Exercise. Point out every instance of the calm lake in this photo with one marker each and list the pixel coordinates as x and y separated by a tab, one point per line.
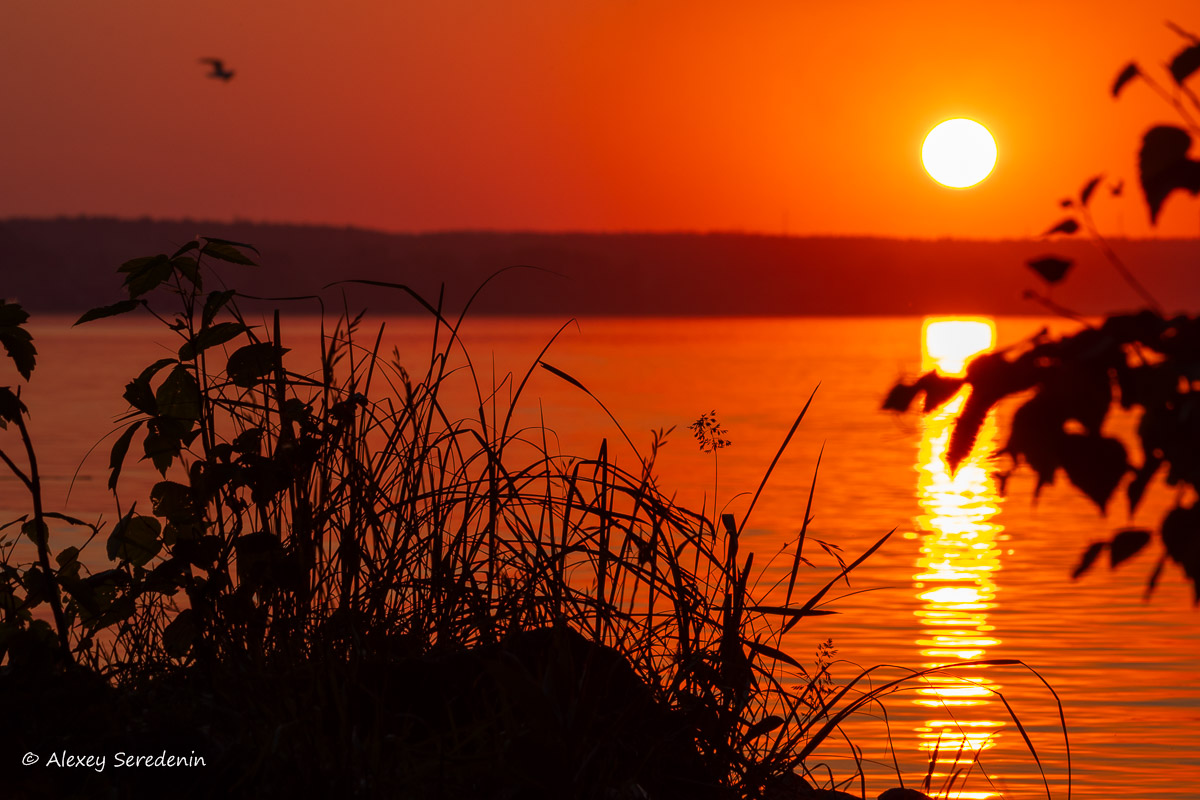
967	574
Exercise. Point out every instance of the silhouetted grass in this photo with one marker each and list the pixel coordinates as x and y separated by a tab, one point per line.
347	584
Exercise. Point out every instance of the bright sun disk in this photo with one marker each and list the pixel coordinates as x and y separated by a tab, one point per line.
959	153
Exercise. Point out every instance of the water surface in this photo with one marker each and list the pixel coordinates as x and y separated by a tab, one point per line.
967	575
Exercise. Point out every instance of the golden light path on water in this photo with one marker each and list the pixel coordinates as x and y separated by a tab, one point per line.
955	581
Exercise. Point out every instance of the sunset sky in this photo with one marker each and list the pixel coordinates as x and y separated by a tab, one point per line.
774	117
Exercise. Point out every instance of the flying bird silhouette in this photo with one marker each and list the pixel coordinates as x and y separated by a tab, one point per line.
218	68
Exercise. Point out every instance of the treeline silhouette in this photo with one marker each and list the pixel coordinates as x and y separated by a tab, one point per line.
64	265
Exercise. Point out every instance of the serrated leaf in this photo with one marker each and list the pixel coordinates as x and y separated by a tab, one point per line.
179	395
12	315
116	458
1052	268
17	341
101	312
1126	544
1186	62
135	539
1067	226
1089	558
188	268
210	337
11	407
145	274
161	450
226	251
1130	72
248	364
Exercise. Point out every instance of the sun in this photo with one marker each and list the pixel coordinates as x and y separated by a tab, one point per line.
959	153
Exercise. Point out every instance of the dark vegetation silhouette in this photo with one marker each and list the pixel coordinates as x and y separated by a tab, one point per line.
1146	361
342	585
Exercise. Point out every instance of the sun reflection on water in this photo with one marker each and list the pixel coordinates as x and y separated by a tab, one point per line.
955	581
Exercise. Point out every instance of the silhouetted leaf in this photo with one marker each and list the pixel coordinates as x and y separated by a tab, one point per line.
1067	226
173	501
232	243
1126	544
790	612
210	337
1034	435
1095	464
899	398
764	725
248	364
1164	166
1126	75
36	531
1181	536
11	407
1152	581
145	274
771	652
188	268
17	341
1137	487
135	539
992	377
68	565
138	392
116	458
1089	187
227	251
187	248
181	634
179	395
1051	268
108	311
214	303
1185	63
161	448
1090	555
562	375
12	315
938	389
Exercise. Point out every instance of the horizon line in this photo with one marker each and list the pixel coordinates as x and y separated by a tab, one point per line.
482	231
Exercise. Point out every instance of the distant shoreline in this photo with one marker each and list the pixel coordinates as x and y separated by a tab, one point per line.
69	265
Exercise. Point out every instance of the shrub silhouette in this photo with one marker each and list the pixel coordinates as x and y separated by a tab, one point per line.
1145	360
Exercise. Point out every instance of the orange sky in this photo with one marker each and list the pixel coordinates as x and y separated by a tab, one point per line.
581	115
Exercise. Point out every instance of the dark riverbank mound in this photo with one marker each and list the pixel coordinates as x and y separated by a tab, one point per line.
548	715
